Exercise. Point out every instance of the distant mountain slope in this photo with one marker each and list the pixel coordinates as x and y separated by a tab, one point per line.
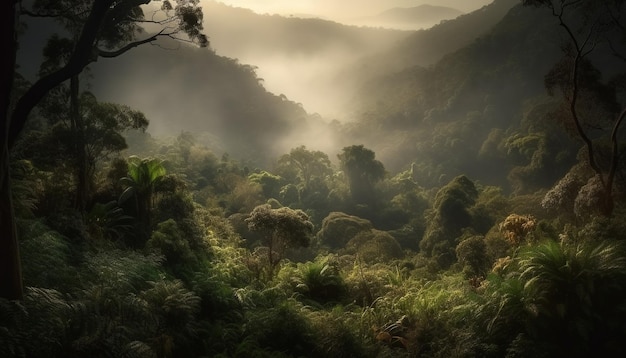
423	48
452	116
295	56
243	34
191	89
421	13
426	47
422	16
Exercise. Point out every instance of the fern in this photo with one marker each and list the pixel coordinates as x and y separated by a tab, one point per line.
45	256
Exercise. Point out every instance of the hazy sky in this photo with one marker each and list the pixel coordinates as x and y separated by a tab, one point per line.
346	9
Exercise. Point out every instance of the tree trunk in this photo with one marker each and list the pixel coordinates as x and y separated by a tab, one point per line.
10	268
78	130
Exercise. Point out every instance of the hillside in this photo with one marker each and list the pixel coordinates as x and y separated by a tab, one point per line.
445	116
196	90
243	34
422	16
231	100
298	57
424	47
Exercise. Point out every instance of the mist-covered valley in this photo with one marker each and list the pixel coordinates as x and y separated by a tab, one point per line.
323	66
281	178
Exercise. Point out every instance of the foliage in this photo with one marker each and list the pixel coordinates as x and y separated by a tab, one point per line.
362	171
142	177
516	228
374	246
280	228
472	255
339	228
207	271
577	295
450	214
43	248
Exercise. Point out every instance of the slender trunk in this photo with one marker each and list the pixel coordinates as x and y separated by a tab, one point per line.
10	268
78	130
608	204
270	249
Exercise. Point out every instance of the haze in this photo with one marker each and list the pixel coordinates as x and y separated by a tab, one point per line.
345	10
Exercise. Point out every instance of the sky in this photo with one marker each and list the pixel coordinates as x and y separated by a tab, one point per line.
345	9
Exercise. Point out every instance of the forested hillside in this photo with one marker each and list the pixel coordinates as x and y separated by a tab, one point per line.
461	114
159	201
198	91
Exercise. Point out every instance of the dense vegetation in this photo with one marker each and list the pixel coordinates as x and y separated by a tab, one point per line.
490	237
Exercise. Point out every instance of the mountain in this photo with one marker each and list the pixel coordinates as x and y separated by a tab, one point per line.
426	47
482	110
295	56
230	99
243	34
422	16
196	90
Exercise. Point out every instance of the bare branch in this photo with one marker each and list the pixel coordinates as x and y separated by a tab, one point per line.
615	151
118	52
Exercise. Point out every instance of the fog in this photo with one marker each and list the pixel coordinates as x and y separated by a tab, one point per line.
312	68
345	10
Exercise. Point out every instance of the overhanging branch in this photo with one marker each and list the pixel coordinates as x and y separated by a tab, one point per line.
118	52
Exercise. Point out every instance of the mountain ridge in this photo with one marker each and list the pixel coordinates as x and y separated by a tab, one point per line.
425	15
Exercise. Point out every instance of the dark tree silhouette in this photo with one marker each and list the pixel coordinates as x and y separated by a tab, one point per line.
362	171
10	267
104	29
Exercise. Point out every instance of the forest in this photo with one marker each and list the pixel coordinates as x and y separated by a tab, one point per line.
465	198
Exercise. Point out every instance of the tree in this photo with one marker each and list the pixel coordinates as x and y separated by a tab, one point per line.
307	165
280	228
591	27
362	171
104	29
450	215
101	135
10	267
143	175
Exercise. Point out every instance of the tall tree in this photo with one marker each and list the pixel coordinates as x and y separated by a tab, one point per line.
306	163
591	28
280	228
105	29
143	176
10	267
362	171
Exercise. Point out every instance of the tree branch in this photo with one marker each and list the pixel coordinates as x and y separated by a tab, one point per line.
118	52
615	152
80	58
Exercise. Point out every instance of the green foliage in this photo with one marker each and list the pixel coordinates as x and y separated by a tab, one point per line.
108	221
339	228
577	295
450	214
472	255
43	248
374	246
321	280
171	242
362	171
280	228
270	183
143	175
282	330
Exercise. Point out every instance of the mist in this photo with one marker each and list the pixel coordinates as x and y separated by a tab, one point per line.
345	10
269	81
